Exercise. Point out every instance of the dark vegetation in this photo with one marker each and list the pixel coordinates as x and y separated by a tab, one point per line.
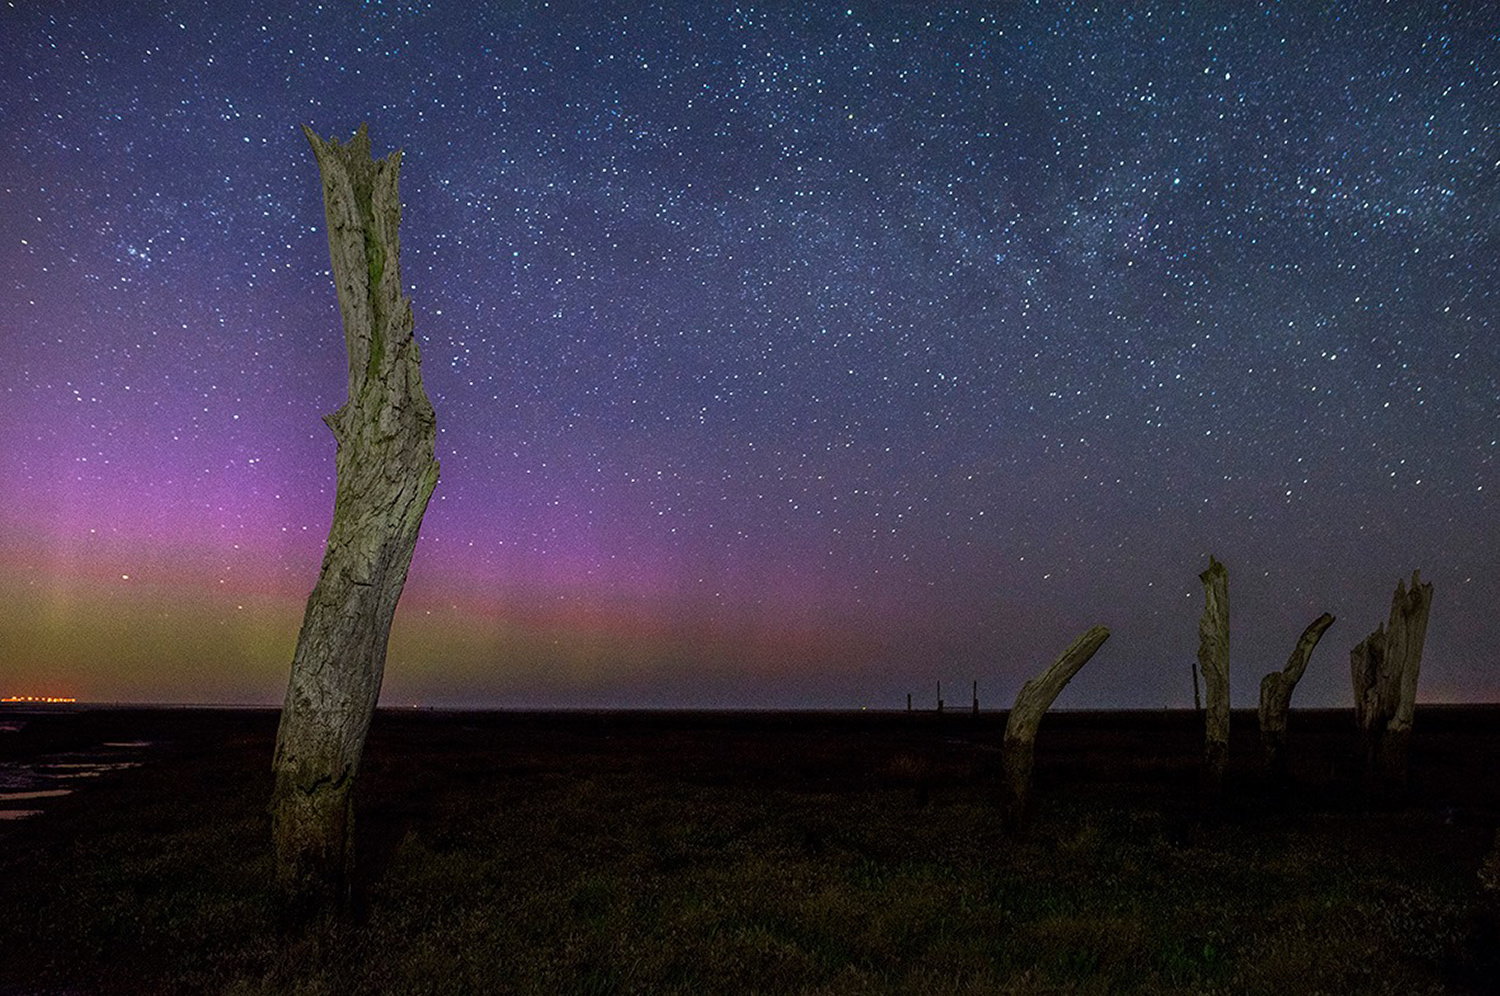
770	853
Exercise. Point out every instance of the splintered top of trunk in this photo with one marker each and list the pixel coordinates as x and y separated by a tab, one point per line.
363	212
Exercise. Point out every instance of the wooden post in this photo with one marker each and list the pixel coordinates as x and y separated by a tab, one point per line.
940	698
1033	701
908	702
1276	697
1213	659
386	433
1489	891
976	698
1384	667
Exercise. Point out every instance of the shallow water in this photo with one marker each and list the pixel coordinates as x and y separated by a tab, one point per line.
48	776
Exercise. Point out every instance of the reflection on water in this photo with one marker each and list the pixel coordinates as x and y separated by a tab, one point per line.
45	794
39	777
85	770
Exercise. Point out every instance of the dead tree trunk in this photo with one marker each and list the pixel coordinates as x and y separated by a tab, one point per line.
1213	659
1489	893
1384	667
1489	873
1276	697
386	433
1035	697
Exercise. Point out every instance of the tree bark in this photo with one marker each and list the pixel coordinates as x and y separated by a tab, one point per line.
1033	701
1384	667
1489	873
1213	660
1489	893
386	434
1276	696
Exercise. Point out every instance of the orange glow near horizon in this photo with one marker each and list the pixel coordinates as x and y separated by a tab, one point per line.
37	698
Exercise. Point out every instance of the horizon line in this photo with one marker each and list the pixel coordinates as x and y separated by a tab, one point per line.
19	704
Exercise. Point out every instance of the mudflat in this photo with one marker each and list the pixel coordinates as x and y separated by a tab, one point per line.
646	852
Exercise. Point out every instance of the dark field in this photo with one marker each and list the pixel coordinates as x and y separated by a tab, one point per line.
771	853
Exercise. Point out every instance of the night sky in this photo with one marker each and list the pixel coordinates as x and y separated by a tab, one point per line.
795	355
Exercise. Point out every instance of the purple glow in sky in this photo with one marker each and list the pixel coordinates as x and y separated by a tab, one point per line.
783	356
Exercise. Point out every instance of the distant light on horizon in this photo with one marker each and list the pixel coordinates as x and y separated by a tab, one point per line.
48	699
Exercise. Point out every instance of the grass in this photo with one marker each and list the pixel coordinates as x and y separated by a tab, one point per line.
601	855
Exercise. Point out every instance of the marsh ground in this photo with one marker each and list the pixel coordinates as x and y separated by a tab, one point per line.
770	853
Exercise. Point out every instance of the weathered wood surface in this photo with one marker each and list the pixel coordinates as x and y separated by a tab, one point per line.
1213	660
386	434
1489	889
1276	696
1032	702
1489	872
1384	667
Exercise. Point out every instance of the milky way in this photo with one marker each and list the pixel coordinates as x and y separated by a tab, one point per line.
783	355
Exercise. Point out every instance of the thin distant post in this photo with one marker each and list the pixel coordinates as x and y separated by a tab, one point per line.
940	698
976	698
908	703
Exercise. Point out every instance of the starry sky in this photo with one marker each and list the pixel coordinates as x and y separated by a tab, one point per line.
795	355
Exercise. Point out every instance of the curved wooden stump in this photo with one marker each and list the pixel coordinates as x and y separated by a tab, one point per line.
1276	697
1384	667
1213	660
1032	703
386	432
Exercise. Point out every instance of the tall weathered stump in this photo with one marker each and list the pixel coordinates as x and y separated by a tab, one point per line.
1213	661
1276	697
1384	667
386	434
1035	698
